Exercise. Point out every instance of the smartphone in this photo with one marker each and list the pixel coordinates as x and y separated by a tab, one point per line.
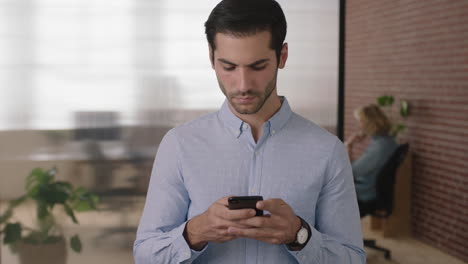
243	202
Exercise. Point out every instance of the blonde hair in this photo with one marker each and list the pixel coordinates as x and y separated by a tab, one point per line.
375	122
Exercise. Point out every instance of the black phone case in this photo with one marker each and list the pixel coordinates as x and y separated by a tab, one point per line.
243	202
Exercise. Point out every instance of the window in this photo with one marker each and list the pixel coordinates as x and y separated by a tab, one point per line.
59	58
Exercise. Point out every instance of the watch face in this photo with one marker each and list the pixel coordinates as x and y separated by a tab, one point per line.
302	236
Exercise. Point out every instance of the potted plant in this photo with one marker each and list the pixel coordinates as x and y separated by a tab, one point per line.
386	102
46	238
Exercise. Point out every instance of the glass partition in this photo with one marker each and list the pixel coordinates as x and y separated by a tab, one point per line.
91	87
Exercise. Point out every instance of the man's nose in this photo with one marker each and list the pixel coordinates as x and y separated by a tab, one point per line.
245	80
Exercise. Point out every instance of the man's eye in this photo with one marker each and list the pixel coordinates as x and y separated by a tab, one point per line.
229	68
259	68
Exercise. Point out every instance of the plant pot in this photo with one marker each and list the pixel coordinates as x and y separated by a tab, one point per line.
53	253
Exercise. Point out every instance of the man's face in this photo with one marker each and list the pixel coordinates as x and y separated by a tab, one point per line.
246	69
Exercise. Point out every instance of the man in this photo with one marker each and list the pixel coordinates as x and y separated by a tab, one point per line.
254	145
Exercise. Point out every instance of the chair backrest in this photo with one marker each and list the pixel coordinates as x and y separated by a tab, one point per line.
386	182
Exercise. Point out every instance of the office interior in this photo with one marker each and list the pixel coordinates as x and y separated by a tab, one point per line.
91	87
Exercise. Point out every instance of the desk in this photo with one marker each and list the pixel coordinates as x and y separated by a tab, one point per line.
111	165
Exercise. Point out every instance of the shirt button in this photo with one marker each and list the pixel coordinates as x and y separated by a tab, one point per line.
253	190
257	153
245	126
273	132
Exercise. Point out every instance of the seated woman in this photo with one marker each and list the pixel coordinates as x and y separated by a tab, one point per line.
373	123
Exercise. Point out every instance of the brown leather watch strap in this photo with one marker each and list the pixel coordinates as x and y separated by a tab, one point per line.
295	246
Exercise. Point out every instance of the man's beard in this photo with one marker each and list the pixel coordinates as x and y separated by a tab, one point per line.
262	98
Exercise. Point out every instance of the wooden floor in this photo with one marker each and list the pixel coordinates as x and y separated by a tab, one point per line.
108	237
404	250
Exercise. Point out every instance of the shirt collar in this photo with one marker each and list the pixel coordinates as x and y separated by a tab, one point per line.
235	124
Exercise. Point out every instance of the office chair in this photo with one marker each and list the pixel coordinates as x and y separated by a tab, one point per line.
382	205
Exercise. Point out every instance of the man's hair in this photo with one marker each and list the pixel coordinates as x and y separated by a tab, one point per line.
374	120
242	18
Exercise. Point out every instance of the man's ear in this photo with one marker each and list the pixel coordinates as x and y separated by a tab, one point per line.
211	54
283	56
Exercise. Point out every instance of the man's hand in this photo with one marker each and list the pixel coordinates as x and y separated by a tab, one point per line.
213	224
280	227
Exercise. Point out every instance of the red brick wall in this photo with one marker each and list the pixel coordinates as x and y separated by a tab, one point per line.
418	50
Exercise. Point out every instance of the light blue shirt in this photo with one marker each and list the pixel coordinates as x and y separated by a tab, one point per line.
368	166
216	156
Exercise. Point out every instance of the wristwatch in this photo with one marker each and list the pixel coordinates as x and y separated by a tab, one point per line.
302	237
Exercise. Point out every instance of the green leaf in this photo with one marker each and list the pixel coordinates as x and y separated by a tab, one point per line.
404	111
35	172
12	233
53	194
33	192
381	100
70	213
37	180
80	191
65	186
82	206
83	200
75	244
41	176
385	100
